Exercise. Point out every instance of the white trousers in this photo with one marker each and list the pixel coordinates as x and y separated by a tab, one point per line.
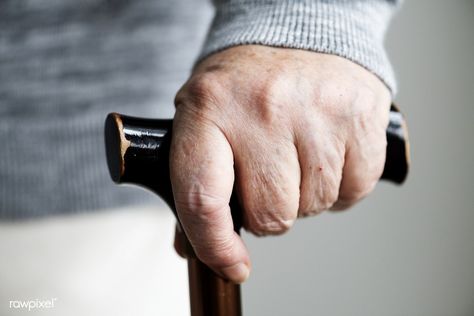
117	262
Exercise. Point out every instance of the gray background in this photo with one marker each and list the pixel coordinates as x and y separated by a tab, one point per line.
404	250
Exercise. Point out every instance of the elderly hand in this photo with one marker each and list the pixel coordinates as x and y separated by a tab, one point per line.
299	132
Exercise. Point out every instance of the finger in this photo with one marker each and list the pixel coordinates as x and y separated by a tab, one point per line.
321	160
268	177
201	168
365	159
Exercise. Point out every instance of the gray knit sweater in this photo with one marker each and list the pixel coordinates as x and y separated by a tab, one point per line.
64	64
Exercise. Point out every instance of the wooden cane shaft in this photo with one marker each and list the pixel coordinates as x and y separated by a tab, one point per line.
211	295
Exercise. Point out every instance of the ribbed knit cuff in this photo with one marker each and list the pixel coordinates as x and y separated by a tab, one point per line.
351	29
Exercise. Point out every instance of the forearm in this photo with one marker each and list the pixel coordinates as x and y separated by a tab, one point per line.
351	29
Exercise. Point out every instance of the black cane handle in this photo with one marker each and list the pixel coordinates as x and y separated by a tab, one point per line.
138	149
137	152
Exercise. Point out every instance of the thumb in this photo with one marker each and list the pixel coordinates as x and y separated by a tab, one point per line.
202	176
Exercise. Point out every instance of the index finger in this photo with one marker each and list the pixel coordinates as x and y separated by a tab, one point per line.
202	177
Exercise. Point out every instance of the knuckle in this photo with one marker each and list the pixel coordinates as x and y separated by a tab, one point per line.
358	190
266	92
276	227
315	209
324	199
269	102
199	205
328	199
270	202
196	209
202	89
271	220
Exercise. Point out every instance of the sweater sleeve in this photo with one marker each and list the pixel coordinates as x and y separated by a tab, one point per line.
353	29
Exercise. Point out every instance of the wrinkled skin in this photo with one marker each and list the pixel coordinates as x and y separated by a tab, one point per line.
300	132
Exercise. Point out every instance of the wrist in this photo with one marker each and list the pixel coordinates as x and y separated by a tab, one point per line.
353	30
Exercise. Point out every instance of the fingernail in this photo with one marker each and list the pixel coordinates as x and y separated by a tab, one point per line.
237	273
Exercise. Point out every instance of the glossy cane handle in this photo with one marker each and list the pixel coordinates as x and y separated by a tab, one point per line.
138	152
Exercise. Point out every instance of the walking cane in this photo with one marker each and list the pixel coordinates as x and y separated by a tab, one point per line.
137	153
